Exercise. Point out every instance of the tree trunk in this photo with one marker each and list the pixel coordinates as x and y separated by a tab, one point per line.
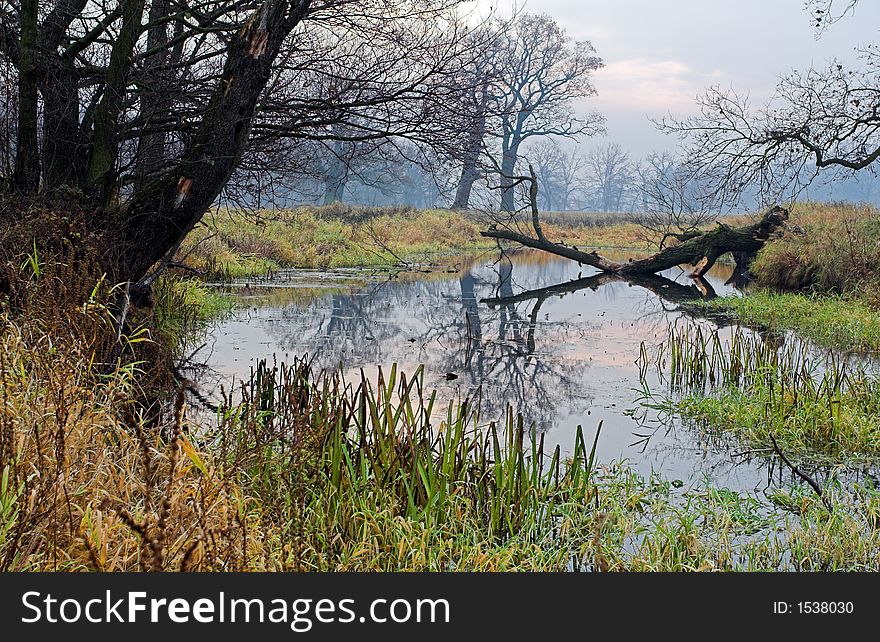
508	166
333	190
105	145
165	211
26	175
700	251
470	173
154	94
64	149
335	178
65	152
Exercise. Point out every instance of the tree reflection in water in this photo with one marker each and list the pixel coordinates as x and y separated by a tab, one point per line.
507	336
523	330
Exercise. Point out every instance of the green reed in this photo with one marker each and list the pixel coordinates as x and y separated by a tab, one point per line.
340	439
754	385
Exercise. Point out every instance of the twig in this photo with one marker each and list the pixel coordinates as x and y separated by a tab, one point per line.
123	301
797	471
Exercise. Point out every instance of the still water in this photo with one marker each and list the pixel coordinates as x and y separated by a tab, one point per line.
524	329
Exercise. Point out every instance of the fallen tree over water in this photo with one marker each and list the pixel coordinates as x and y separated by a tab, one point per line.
699	249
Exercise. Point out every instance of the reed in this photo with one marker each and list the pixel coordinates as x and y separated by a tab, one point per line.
846	323
306	470
303	470
819	405
340	440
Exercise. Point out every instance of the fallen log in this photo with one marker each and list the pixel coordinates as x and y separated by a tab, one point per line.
700	251
685	298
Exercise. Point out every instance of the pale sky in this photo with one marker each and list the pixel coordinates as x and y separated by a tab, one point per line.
659	54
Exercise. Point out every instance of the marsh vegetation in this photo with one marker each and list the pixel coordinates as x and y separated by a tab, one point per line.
210	362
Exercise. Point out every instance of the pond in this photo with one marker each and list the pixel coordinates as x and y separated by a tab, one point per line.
523	329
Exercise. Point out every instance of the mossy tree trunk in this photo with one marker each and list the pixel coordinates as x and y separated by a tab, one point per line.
26	176
166	210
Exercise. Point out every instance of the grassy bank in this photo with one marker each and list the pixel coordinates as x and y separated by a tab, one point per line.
302	470
819	278
844	323
234	244
306	472
826	248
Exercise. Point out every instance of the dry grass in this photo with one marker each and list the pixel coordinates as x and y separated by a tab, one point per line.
89	468
304	473
825	248
101	472
235	244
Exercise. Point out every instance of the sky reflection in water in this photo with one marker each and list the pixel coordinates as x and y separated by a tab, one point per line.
562	356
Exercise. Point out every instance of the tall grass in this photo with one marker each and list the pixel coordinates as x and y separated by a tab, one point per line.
817	406
835	321
182	306
365	438
826	248
301	471
233	244
304	471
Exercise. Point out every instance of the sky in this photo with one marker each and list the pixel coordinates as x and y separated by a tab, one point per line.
660	54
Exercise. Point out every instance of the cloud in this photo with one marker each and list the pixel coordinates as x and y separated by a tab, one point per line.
653	87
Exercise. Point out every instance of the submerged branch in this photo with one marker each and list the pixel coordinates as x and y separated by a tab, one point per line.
797	471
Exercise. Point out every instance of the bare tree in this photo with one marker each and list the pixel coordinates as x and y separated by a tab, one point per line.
672	204
822	121
542	72
609	176
148	109
477	102
560	174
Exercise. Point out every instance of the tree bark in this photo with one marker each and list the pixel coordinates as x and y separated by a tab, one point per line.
167	209
700	251
105	146
508	166
26	175
65	152
154	93
470	173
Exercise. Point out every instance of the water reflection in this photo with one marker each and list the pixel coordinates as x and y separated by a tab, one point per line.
524	329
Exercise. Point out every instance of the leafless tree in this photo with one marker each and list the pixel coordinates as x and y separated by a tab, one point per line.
477	101
822	122
671	204
609	177
149	107
541	73
560	174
